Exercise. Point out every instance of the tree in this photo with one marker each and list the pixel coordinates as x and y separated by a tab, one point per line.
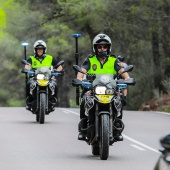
139	30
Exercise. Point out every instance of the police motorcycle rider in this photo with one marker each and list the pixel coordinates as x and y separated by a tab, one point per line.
39	59
99	63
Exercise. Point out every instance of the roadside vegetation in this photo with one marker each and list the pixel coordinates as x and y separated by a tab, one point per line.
140	31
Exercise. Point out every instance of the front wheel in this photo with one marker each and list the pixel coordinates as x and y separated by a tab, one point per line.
42	109
104	136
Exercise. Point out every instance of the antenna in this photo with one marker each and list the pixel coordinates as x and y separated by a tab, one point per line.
76	36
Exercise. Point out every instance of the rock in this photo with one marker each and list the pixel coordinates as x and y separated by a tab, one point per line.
146	107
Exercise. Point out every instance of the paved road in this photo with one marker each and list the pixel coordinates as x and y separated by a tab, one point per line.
27	145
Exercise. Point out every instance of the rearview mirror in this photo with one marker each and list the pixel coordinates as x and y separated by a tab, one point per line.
77	68
129	68
130	81
76	82
59	64
25	62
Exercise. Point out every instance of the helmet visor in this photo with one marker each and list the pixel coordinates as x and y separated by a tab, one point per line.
101	42
40	47
102	46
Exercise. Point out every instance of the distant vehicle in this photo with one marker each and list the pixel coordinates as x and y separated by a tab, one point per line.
163	162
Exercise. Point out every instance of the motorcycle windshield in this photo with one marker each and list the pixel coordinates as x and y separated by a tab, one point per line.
104	80
43	70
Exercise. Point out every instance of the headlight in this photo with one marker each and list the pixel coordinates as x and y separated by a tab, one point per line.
100	90
40	76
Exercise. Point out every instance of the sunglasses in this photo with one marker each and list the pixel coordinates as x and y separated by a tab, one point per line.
39	48
102	46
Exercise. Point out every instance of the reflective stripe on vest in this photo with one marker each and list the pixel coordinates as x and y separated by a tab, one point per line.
47	61
96	67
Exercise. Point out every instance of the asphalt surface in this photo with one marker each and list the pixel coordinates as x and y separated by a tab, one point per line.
27	145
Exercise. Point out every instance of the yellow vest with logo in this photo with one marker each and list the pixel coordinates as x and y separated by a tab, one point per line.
47	61
97	68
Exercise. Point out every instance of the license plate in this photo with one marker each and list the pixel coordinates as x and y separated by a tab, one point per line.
104	98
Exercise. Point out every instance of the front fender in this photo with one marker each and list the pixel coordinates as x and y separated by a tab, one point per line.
104	112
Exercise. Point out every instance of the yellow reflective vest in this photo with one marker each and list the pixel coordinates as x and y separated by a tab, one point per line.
97	68
47	61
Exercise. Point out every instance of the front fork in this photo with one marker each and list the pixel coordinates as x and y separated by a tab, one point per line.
111	124
97	123
38	97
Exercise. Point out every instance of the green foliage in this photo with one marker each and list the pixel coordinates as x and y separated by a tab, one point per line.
167	109
2	18
59	38
129	23
73	104
15	103
166	85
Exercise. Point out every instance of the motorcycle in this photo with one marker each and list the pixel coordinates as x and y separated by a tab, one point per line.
102	103
42	88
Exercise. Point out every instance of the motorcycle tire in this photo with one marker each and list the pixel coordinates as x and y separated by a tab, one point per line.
42	108
104	136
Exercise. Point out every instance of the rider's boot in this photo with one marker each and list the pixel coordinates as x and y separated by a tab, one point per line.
117	132
53	102
82	125
124	100
28	103
81	136
28	107
118	137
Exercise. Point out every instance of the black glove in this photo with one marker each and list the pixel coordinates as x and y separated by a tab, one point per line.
124	100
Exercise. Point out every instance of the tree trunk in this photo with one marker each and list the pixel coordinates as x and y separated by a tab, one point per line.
65	84
166	37
156	60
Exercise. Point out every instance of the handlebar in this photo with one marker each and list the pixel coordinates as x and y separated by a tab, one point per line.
32	72
129	81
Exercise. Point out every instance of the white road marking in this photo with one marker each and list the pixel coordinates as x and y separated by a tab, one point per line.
66	111
137	147
71	112
141	144
132	140
164	113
